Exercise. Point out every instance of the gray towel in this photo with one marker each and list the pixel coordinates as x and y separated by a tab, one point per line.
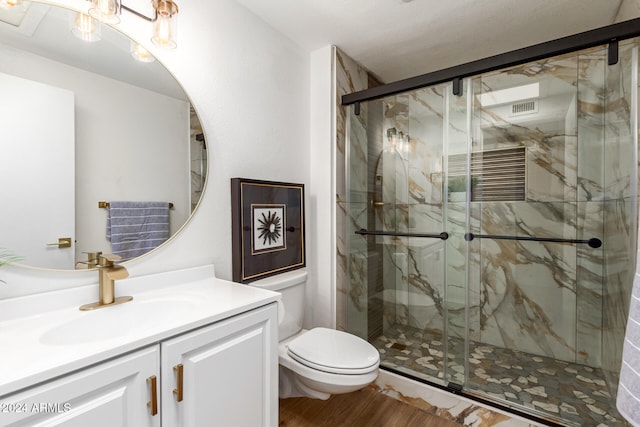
628	401
135	228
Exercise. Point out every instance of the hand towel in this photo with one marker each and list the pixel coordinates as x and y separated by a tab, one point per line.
135	228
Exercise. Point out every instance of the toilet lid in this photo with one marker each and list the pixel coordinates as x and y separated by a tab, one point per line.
334	351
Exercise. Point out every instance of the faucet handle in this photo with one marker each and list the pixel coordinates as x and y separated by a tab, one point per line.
107	260
91	262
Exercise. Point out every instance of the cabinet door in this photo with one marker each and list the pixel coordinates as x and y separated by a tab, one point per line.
229	373
111	394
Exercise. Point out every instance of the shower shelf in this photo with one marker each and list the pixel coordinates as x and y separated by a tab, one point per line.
593	242
364	232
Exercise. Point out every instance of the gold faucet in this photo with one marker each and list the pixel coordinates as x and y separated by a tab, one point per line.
109	272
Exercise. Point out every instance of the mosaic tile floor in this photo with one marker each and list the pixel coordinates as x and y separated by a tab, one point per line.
572	394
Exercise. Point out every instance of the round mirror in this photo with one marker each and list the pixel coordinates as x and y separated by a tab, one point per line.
101	148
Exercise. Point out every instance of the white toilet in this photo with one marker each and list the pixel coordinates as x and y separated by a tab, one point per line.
318	362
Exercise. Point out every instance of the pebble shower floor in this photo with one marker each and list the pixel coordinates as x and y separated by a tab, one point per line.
574	393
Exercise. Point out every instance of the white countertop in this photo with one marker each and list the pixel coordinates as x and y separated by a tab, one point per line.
46	335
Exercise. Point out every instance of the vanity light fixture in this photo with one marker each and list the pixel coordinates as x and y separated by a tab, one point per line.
164	27
85	27
164	20
106	10
139	53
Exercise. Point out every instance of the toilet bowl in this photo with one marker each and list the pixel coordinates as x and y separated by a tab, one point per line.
318	362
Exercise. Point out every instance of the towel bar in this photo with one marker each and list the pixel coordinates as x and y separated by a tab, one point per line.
106	205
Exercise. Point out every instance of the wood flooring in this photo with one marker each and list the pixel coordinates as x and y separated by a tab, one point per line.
365	407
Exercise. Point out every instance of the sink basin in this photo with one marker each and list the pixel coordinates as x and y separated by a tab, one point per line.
116	321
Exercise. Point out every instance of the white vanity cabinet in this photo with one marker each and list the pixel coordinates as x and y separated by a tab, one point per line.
113	393
224	374
220	374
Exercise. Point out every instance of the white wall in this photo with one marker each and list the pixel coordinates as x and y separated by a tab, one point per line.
321	288
250	87
131	144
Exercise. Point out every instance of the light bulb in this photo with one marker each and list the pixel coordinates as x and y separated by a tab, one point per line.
85	27
11	3
140	53
105	10
164	32
164	26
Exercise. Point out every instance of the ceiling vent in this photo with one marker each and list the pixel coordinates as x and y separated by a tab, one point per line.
521	108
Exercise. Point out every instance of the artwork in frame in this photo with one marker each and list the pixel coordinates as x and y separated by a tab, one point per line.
267	228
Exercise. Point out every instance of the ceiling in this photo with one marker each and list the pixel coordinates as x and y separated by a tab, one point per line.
397	39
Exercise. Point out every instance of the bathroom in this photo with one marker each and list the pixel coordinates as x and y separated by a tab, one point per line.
244	71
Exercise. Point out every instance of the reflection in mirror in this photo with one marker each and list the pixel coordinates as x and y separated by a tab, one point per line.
82	123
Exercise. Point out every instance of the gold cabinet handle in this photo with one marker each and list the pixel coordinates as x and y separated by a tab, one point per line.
179	370
153	392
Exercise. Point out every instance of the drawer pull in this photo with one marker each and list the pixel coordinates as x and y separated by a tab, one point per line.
153	391
178	369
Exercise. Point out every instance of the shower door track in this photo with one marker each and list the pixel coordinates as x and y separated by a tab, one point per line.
609	34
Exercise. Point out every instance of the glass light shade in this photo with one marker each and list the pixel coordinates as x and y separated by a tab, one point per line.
85	27
139	53
106	10
165	31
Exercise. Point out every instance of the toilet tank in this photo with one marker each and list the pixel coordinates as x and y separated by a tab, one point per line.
291	310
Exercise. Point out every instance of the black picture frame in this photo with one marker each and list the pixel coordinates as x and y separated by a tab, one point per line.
268	235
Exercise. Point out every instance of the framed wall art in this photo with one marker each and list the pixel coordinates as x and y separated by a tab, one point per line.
267	228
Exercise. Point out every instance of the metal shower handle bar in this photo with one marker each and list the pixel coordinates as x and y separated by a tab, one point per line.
593	242
364	232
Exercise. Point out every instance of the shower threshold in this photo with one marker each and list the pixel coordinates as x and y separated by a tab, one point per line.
568	393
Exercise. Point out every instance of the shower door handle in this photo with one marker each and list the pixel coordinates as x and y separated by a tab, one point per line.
377	204
593	242
364	232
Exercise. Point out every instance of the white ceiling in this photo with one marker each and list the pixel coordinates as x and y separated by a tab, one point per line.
397	39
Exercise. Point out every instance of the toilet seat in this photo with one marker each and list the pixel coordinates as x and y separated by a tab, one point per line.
334	352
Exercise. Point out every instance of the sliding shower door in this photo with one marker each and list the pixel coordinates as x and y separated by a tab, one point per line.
492	230
550	168
527	209
397	252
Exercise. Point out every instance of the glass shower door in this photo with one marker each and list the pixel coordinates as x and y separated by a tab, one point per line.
532	174
397	252
523	171
545	170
